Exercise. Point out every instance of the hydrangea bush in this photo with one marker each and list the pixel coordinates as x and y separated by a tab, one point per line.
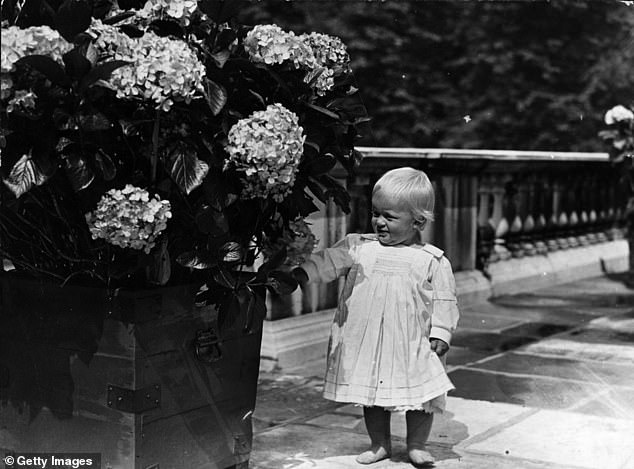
619	136
620	133
168	130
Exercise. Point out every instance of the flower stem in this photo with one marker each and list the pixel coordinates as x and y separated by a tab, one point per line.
155	141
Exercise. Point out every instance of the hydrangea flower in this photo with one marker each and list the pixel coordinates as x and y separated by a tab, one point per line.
322	79
322	56
329	51
129	218
270	44
618	114
22	100
35	40
6	86
179	10
110	42
266	148
298	239
163	70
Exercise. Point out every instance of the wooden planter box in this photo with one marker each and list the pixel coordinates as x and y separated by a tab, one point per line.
138	378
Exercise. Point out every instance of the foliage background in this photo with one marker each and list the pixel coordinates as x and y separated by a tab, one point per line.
529	75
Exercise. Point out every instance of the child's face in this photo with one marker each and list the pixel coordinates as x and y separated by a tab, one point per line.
392	221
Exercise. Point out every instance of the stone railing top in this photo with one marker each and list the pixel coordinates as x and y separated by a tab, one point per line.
499	155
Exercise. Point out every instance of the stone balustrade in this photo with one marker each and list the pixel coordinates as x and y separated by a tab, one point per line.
507	221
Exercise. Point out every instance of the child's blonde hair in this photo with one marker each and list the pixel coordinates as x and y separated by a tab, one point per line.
412	187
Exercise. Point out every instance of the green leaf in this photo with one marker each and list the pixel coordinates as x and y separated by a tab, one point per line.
24	175
282	283
76	64
73	17
187	170
47	67
318	166
159	270
101	72
79	173
211	221
195	260
322	110
129	128
220	57
277	260
316	189
357	157
223	277
216	96
64	144
105	164
231	252
118	18
94	121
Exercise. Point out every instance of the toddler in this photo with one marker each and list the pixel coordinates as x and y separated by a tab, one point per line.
395	317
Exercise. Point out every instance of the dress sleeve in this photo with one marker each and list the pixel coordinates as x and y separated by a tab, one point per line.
331	263
445	312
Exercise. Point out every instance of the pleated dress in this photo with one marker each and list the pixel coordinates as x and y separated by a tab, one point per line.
393	300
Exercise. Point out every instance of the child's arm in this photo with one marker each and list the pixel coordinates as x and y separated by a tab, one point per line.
445	315
328	264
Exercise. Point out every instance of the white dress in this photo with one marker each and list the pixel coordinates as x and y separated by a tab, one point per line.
394	299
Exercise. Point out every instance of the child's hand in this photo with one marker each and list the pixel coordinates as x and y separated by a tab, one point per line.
439	346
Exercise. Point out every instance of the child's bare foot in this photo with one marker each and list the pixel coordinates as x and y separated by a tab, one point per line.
419	457
374	454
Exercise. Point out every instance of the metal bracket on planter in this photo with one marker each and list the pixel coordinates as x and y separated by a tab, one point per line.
207	346
134	401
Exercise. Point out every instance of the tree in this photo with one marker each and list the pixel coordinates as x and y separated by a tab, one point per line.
520	75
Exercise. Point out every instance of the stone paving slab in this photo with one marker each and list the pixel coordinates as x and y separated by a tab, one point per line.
566	438
536	330
615	403
601	336
465	419
489	341
595	372
530	391
566	314
289	404
622	322
474	319
459	356
619	353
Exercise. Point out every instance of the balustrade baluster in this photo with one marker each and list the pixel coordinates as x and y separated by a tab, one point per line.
592	198
540	197
498	219
526	203
561	217
486	231
513	239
